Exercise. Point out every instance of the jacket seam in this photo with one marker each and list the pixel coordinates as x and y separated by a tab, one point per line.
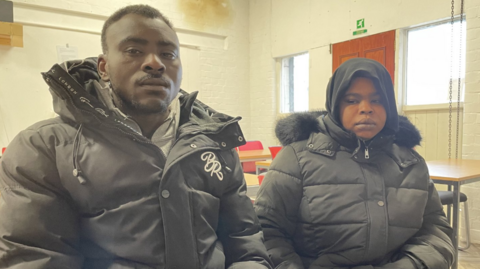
51	159
10	188
367	246
268	208
330	224
281	172
50	155
298	161
426	243
304	195
336	184
43	126
384	192
60	123
398	226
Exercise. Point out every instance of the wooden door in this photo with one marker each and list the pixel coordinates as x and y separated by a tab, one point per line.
379	47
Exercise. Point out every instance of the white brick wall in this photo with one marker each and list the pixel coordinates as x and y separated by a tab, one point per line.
263	98
471	124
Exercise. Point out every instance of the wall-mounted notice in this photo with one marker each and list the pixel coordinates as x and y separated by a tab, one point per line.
66	53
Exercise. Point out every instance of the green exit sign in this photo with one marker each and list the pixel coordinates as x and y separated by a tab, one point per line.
360	27
360	23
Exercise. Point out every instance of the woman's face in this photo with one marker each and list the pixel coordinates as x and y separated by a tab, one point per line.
361	109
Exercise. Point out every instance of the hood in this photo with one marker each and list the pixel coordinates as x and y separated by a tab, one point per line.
361	67
299	126
81	97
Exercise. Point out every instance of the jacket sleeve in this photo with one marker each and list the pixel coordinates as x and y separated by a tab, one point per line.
239	228
277	205
38	226
431	247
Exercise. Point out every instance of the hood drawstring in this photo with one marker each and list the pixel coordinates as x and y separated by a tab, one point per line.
76	166
224	163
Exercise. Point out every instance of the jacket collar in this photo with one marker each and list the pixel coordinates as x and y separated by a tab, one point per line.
198	118
80	97
331	138
299	126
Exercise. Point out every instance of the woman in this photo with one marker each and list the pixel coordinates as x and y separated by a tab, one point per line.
348	190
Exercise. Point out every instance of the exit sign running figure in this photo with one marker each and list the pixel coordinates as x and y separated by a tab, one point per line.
360	25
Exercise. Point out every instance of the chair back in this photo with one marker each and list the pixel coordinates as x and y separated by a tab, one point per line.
251	145
274	150
249	167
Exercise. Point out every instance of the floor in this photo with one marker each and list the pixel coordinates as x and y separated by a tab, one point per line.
470	258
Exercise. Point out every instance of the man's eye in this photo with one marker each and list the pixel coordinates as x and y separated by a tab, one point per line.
169	55
133	51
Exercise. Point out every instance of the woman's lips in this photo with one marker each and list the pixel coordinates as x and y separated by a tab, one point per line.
365	124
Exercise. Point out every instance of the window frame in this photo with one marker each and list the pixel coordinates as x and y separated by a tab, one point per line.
403	64
278	80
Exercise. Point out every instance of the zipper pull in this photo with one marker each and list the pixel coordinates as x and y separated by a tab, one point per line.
367	155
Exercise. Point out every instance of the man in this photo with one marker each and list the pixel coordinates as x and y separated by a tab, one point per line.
133	174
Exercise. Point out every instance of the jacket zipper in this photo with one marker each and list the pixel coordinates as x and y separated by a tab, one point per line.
367	154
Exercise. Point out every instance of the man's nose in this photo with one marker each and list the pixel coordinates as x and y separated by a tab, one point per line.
153	64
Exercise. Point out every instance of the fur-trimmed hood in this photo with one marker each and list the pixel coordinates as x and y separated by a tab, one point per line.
299	126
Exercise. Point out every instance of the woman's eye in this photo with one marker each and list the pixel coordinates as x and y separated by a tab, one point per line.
350	101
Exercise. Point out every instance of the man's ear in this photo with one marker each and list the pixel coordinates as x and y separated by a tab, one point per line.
102	67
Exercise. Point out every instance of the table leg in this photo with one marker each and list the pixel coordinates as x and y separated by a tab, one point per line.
455	226
449	207
257	170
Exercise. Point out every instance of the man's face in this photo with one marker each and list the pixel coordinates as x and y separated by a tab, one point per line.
142	64
361	109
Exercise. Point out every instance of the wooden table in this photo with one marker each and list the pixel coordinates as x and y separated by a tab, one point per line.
252	186
262	164
254	155
454	173
251	179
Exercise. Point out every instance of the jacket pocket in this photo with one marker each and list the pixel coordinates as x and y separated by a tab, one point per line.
205	208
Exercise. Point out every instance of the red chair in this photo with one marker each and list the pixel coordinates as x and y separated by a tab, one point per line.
274	150
251	145
249	167
3	150
260	178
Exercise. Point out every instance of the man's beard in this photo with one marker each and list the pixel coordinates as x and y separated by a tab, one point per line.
131	105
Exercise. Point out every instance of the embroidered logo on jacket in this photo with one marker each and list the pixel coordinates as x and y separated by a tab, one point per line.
212	165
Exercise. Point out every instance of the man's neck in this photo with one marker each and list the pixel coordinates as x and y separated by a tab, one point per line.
149	123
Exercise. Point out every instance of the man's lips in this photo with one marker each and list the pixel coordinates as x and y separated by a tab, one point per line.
154	82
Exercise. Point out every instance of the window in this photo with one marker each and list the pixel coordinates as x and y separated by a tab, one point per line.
429	63
294	84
